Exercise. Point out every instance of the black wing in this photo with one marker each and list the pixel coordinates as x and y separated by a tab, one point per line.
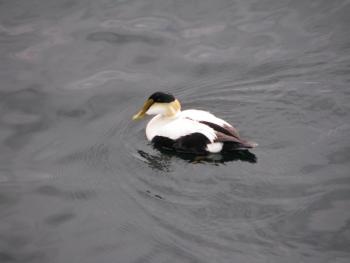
227	134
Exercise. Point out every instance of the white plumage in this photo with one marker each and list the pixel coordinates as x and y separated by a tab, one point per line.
176	126
200	115
182	124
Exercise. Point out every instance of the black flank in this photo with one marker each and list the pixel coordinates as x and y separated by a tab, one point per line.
231	146
163	143
192	143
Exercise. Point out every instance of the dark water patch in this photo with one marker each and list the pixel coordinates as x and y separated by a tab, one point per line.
152	24
80	195
124	38
7	257
341	156
272	67
279	145
67	4
22	257
5	199
237	155
143	59
312	168
17	246
22	135
261	40
321	223
49	190
162	160
205	69
180	237
93	155
126	79
154	195
238	210
74	113
23	112
59	218
157	162
29	99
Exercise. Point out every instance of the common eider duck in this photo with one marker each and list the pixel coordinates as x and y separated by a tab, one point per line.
188	131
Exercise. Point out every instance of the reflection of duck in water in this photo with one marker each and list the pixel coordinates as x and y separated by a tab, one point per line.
162	159
189	131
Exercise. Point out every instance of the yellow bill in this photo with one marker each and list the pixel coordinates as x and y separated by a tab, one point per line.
143	110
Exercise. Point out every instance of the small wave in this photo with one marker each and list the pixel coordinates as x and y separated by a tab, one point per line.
102	77
17	30
157	24
196	32
53	37
20	118
32	175
124	38
210	54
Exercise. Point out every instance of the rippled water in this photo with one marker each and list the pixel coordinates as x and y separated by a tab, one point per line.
79	182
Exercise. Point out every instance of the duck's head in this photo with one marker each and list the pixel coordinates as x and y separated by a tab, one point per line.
159	103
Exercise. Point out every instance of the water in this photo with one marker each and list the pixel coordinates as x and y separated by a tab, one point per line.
79	182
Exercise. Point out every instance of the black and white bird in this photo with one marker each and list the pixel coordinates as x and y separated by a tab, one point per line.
188	131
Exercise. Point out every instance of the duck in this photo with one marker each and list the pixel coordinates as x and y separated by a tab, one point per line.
188	131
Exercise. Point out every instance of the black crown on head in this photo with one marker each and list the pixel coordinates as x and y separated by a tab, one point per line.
162	97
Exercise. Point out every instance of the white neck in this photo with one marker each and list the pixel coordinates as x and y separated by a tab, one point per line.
165	109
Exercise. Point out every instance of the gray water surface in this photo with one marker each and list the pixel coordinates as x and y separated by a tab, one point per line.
80	183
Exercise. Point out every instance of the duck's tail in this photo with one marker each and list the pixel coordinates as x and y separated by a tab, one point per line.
249	144
242	145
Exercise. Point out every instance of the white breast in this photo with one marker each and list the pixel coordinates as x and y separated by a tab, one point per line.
176	127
